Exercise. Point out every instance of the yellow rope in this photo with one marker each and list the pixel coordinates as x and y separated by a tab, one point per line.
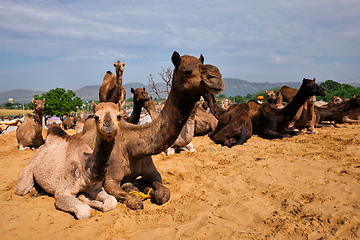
141	195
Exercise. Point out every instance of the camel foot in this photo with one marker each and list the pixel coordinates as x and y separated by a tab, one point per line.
161	196
134	202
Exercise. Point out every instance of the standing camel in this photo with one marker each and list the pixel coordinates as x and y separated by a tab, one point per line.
66	166
29	133
134	144
112	89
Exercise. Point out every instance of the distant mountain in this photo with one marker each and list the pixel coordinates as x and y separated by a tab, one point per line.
233	87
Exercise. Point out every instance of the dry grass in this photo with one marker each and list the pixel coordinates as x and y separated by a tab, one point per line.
12	112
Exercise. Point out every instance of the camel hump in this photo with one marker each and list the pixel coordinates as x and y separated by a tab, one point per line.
57	131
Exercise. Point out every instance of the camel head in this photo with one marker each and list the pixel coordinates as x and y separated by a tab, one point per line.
39	105
336	100
107	117
357	97
311	99
119	66
313	88
192	77
140	95
270	96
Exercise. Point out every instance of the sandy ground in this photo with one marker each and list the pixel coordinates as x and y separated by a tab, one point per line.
306	187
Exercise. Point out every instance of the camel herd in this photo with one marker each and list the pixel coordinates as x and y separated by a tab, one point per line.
110	156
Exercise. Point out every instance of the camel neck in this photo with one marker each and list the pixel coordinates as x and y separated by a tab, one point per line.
135	115
38	121
330	111
215	109
150	107
100	157
292	107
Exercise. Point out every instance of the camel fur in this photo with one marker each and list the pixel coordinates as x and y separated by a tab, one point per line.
270	122
305	117
112	89
29	133
234	126
205	122
66	166
134	144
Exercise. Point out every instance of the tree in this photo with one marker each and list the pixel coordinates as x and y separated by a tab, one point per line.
59	102
166	75
337	89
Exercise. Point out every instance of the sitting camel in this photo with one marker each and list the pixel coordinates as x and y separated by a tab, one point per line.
205	122
29	133
184	140
346	112
66	166
134	144
270	122
112	89
287	93
334	113
234	126
270	96
335	100
69	123
305	117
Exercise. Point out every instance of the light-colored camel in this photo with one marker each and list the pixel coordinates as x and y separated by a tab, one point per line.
29	133
112	89
69	123
270	96
305	117
335	100
184	140
131	157
205	122
270	122
140	99
66	166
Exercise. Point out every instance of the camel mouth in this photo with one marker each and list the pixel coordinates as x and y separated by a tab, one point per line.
214	91
212	79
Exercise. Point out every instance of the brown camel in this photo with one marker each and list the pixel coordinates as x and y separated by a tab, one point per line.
131	157
65	166
112	89
29	133
346	112
270	122
234	126
335	100
205	122
287	93
69	123
305	117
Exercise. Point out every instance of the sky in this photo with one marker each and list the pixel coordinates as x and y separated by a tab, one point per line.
71	44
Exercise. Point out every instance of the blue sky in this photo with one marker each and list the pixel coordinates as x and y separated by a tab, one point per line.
71	44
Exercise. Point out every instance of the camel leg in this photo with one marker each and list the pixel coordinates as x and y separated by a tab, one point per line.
100	200
113	188
153	178
69	203
25	181
190	147
346	119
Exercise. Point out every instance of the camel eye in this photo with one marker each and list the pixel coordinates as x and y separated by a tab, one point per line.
187	72
118	117
96	118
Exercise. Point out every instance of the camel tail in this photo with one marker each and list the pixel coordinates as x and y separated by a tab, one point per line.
242	138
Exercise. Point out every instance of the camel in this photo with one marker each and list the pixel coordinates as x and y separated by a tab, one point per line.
140	99
29	133
112	89
335	100
270	122
205	122
134	144
78	168
346	112
184	140
69	123
270	96
305	117
287	93
234	126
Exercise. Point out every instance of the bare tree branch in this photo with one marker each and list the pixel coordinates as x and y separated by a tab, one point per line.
166	75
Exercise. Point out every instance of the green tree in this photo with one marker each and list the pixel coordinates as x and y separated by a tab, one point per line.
59	102
334	88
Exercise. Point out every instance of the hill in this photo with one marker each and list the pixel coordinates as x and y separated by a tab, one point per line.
233	87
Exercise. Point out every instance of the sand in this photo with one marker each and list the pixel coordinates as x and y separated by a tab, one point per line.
305	187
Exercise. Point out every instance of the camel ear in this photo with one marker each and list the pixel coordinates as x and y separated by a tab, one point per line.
93	106
132	91
43	100
175	58
33	101
314	79
114	64
201	58
144	88
303	80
